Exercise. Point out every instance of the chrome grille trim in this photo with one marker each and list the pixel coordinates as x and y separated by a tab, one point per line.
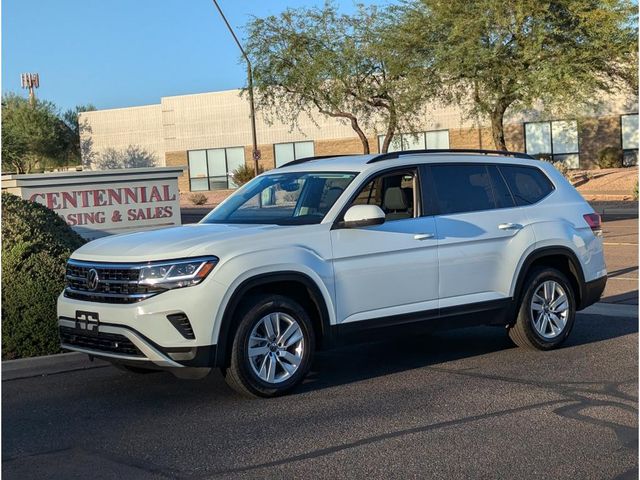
113	295
118	282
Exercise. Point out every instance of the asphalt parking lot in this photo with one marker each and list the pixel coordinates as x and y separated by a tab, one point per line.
621	254
463	404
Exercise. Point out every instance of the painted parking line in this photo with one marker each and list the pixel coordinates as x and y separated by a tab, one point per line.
622	278
619	244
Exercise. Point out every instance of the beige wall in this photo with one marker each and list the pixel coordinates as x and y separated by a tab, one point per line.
120	127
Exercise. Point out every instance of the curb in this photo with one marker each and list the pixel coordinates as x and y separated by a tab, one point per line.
70	362
618	212
48	365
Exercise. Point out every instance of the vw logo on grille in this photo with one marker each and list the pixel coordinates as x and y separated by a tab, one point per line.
92	279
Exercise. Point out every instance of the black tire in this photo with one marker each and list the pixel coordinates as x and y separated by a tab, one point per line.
523	333
240	374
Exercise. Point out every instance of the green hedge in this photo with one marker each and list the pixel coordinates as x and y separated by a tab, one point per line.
36	244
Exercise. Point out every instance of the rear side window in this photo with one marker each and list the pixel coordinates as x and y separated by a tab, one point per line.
500	190
527	184
469	188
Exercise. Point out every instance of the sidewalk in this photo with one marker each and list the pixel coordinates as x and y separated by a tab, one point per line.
622	209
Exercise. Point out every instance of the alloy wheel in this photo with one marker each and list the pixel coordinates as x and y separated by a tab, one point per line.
549	309
276	347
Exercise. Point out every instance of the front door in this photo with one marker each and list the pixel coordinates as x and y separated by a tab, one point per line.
387	271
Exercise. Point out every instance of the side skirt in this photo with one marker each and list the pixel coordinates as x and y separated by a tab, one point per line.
493	312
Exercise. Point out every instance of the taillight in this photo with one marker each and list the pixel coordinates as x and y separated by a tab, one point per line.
593	220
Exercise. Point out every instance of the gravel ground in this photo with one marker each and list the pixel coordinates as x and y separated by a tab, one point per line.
616	181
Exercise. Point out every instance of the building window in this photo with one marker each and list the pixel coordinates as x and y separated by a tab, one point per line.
432	140
557	140
288	152
629	130
212	169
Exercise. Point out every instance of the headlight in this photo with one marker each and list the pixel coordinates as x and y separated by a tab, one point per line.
178	273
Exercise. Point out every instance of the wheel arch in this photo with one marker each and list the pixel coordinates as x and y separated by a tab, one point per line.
560	258
276	282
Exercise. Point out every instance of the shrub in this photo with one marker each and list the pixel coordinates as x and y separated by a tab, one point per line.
244	173
561	167
635	191
198	198
36	244
610	157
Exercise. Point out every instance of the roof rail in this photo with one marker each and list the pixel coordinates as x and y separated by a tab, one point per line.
319	157
391	155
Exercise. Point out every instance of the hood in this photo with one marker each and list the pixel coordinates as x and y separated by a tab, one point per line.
164	244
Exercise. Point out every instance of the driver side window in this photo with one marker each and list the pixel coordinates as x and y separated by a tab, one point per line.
395	193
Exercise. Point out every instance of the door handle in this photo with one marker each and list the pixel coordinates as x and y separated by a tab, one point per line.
423	236
510	226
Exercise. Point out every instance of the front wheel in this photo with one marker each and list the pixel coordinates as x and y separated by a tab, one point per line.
547	311
272	348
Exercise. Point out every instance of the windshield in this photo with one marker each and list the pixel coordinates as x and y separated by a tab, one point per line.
300	198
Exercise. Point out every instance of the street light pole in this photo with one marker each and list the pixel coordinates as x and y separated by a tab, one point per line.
256	152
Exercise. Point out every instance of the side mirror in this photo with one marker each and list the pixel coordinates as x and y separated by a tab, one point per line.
363	216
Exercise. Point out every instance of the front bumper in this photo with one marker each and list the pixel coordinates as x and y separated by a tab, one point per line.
120	344
142	333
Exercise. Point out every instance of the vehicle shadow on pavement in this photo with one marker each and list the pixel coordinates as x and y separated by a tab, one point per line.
102	418
360	362
629	298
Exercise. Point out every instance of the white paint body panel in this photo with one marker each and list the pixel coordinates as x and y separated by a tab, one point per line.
384	270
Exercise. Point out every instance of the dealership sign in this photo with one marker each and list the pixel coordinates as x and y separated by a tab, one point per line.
105	202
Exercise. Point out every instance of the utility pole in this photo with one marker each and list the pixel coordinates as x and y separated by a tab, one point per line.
256	152
30	81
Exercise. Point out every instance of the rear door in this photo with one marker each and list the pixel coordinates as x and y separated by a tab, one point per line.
482	233
387	271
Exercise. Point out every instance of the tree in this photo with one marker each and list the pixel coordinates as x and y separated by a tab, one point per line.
512	54
312	60
32	135
78	150
133	156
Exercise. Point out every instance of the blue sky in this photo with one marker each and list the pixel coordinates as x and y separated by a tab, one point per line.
118	53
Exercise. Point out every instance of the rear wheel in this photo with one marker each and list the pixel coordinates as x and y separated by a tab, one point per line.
547	311
272	348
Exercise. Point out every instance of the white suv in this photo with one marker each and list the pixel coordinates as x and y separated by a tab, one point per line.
329	250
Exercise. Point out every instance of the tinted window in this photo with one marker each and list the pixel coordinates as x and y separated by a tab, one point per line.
501	192
394	193
463	188
527	184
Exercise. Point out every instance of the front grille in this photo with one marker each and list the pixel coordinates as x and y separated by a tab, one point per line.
116	284
102	342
